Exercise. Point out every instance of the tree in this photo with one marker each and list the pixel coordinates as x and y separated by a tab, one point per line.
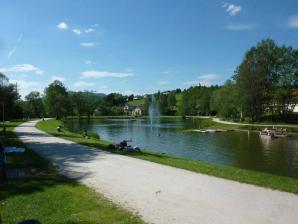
286	91
9	98
172	99
256	77
114	99
130	97
91	103
162	102
196	100
55	99
178	91
225	101
78	102
34	105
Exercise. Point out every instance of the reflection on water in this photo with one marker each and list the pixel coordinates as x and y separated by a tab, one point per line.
240	149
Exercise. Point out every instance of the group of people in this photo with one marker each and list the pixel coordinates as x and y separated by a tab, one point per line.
123	146
85	133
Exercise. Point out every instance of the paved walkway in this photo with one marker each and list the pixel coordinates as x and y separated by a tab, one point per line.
163	194
251	124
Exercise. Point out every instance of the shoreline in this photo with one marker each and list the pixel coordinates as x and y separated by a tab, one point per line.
217	123
262	179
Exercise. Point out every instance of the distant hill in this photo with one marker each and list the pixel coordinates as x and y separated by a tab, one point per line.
101	95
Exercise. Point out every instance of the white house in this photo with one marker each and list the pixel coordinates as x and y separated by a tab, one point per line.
133	110
296	109
136	112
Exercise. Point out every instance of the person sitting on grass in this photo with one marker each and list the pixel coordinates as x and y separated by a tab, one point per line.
59	128
2	162
85	134
123	144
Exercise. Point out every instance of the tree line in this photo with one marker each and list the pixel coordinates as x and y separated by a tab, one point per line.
165	102
56	101
265	84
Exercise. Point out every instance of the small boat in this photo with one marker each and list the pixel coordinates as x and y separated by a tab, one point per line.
267	134
281	133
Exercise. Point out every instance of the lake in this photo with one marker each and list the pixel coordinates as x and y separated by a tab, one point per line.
241	149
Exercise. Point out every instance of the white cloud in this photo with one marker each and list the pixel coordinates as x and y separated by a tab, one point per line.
89	44
59	78
25	86
62	26
293	22
239	27
129	92
39	72
105	74
89	30
232	9
162	83
204	80
23	68
88	62
77	32
82	84
10	53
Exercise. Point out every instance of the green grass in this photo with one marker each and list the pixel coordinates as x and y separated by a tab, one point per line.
178	97
231	173
50	197
137	102
142	101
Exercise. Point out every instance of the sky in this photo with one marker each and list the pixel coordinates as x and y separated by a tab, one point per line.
135	46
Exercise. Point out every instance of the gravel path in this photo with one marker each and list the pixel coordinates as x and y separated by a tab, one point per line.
260	125
163	194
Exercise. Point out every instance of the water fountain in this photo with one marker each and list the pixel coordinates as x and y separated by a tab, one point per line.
153	110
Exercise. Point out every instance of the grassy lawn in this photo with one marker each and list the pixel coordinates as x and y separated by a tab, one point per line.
50	197
142	101
241	175
178	98
137	102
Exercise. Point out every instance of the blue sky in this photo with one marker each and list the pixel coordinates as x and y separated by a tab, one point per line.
135	46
